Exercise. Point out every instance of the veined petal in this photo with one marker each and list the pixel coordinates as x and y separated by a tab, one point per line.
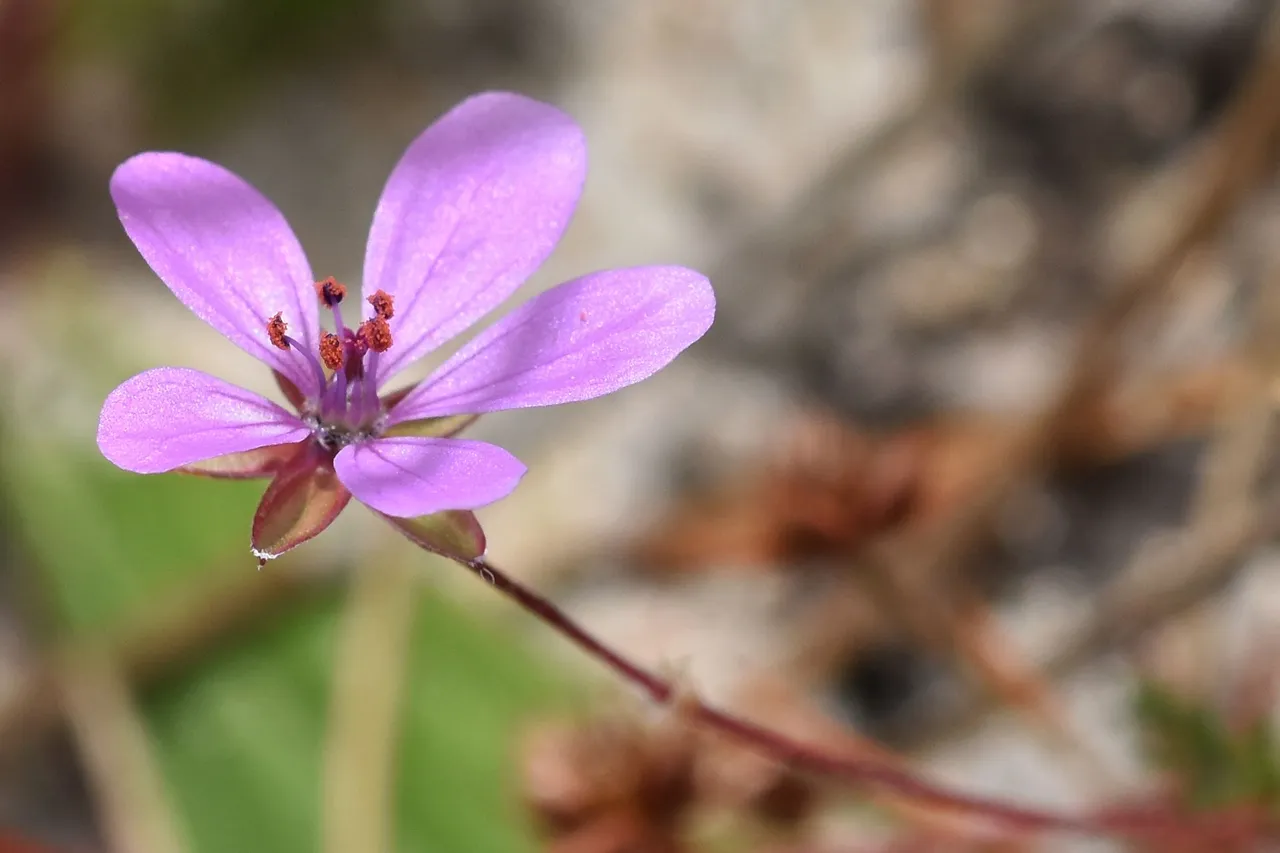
580	340
169	417
474	206
411	476
304	498
224	250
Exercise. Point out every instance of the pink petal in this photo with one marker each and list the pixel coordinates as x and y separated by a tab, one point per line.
169	417
224	250
412	476
474	206
580	340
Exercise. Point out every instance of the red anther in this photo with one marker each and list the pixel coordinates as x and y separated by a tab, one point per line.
276	328
331	291
331	351
376	334
383	304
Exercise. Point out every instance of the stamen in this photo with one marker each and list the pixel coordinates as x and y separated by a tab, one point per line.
383	304
276	328
376	334
331	351
331	291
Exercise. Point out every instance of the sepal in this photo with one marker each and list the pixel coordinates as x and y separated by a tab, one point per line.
290	391
443	427
454	533
247	465
304	498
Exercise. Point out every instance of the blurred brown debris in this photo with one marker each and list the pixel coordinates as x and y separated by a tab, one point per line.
833	487
14	844
613	783
27	31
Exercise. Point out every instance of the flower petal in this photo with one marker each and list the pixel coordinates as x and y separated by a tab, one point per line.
304	498
474	206
580	340
412	476
169	417
224	250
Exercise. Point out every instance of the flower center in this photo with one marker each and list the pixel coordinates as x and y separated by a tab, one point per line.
347	409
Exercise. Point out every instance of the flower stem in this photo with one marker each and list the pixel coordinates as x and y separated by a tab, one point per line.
865	772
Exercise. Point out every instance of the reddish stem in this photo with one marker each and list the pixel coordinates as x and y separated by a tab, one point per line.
1143	822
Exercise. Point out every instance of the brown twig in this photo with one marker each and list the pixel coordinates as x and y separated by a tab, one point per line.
767	253
1238	152
862	772
1227	524
1196	569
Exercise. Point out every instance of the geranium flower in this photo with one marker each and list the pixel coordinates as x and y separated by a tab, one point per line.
474	206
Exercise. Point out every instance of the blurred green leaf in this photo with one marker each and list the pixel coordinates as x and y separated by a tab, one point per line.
193	60
108	543
239	735
1216	766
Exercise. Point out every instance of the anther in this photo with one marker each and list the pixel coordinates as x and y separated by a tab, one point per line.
383	304
276	328
331	291
331	350
376	334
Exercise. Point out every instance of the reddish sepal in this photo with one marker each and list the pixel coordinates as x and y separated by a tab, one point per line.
291	393
443	427
302	500
248	465
454	533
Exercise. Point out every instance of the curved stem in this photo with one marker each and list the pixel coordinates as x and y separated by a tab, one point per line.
869	773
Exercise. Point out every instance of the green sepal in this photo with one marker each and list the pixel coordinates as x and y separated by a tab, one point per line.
300	503
454	533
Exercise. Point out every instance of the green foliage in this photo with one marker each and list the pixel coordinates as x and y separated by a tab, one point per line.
1216	766
239	734
194	59
107	543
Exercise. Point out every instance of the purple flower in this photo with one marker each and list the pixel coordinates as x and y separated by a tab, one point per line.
475	205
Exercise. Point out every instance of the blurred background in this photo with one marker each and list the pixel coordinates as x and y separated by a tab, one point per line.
973	475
